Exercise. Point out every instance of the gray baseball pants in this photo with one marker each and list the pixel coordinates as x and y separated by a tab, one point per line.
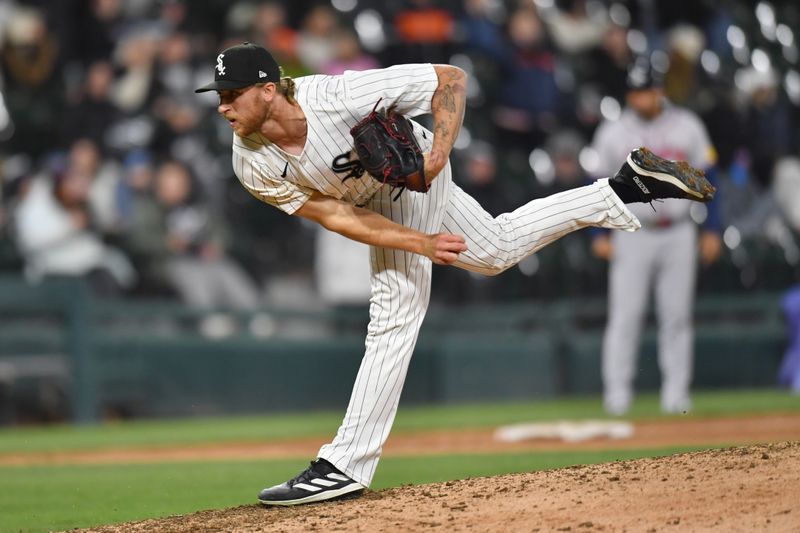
664	261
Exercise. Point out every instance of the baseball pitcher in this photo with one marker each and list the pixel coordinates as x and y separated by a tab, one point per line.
340	151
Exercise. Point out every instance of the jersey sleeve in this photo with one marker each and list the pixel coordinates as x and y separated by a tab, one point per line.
408	87
261	182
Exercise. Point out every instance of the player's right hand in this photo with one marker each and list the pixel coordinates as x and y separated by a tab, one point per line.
443	248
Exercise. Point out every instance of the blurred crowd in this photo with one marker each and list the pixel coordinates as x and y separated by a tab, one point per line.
114	170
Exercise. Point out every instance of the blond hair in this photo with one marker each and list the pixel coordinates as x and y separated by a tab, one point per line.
286	87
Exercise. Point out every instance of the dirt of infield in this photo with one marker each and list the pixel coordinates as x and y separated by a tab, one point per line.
660	433
755	488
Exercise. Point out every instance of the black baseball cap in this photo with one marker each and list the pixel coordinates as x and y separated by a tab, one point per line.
642	76
243	65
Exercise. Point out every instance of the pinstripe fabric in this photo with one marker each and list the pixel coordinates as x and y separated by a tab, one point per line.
401	284
400	281
496	244
332	105
401	289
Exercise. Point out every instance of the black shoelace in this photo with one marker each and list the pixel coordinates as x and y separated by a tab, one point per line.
304	476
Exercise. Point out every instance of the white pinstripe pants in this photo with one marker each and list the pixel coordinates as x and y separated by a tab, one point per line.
401	284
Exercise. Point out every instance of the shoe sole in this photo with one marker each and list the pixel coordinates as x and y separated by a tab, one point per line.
319	497
694	182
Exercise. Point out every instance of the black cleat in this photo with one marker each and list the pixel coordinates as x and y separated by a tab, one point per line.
320	481
654	178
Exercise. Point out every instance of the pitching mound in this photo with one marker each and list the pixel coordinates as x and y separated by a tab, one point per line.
753	488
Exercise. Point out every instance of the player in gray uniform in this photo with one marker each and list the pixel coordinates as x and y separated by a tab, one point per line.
663	255
292	149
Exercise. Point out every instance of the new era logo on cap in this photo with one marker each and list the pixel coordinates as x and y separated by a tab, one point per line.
241	66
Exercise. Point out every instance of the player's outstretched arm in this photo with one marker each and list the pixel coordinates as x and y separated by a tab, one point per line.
366	226
447	106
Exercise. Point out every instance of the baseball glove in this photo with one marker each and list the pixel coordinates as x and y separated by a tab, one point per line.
388	151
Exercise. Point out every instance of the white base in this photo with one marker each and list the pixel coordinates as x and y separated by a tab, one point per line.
567	431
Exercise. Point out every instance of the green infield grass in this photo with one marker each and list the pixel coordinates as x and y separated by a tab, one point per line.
55	498
155	433
58	497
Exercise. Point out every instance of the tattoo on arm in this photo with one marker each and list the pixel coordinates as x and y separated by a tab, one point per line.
447	99
447	106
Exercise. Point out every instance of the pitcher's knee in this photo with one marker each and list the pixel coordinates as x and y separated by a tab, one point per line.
491	269
486	265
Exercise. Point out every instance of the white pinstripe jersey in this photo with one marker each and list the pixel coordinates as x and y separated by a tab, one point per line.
332	105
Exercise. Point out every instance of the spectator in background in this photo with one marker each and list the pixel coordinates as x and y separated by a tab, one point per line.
143	235
600	76
100	27
424	31
783	227
135	86
55	230
270	28
787	193
575	30
196	264
103	177
173	14
564	150
31	80
661	256
768	131
175	65
13	173
92	49
92	115
685	43
607	65
753	141
786	189
315	40
180	134
341	271
347	54
528	99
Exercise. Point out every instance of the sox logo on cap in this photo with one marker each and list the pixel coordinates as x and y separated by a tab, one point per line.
244	65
